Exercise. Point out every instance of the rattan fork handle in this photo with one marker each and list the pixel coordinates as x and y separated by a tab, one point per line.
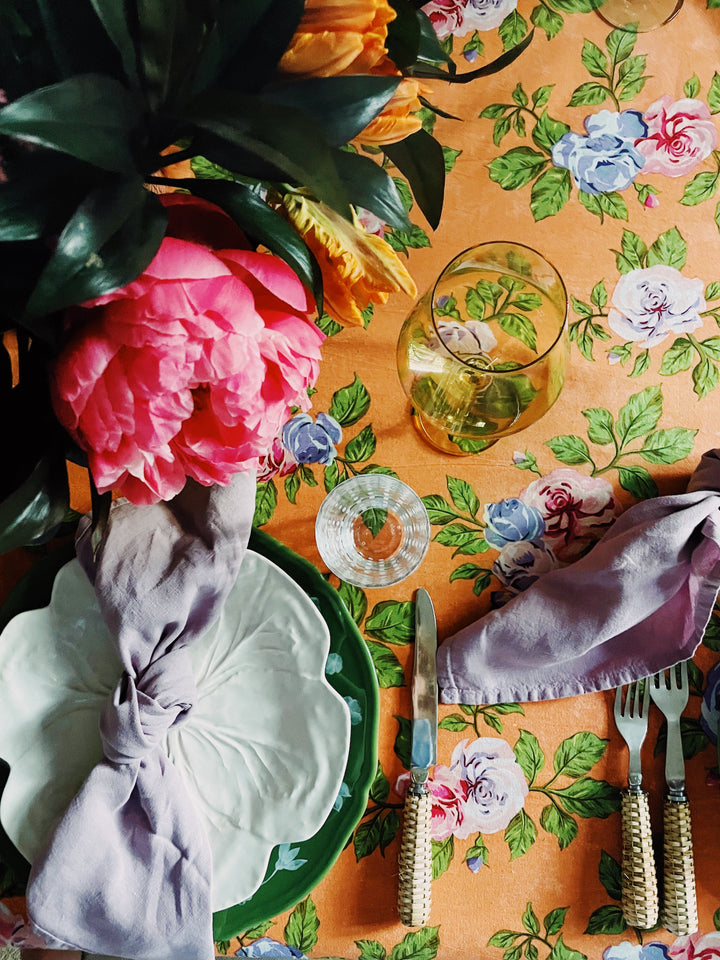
639	892
679	911
415	863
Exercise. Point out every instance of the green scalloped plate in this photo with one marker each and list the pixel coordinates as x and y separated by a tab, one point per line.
354	678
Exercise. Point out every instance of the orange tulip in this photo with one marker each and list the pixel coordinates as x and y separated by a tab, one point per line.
397	120
174	171
335	37
358	268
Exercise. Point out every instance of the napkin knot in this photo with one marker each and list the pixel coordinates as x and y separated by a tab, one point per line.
140	713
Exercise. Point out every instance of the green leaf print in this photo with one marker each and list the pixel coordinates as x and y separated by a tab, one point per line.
520	834
442	854
529	755
349	404
392	621
640	414
589	798
637	481
463	495
550	193
302	927
546	19
670	249
265	502
371	950
668	446
578	754
554	921
418	945
560	824
570	449
607	919
387	666
562	952
517	167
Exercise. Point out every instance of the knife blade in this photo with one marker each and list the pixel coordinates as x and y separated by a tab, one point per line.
415	862
423	753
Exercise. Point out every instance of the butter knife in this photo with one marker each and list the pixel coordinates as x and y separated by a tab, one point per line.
415	863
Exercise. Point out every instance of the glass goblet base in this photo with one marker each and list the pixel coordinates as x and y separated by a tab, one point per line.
446	442
640	15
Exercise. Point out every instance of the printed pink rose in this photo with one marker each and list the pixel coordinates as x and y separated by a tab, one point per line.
449	794
496	785
459	17
278	462
15	933
698	946
191	369
680	135
577	510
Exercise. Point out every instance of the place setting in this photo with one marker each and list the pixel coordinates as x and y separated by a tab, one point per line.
360	544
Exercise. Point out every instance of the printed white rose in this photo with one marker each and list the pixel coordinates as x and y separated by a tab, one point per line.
651	303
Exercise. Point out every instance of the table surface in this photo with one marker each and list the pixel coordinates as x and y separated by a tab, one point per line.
552	875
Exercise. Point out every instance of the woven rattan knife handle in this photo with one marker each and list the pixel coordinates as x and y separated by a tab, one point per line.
415	863
640	903
679	913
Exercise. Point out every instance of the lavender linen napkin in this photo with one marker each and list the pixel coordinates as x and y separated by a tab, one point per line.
637	603
128	870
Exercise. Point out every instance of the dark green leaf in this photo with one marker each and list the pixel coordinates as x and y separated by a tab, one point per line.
89	116
114	19
361	447
610	875
108	242
349	404
369	186
370	950
420	159
37	506
554	921
266	29
608	920
387	666
367	837
392	621
467	571
354	599
469	76
342	106
403	741
263	225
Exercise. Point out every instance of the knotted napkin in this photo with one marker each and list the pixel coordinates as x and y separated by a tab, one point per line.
637	603
128	869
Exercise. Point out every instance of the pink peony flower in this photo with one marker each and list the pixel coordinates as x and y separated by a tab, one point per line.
577	510
698	946
651	303
191	369
680	135
449	794
496	785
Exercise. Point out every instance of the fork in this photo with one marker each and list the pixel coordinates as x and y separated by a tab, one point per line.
679	912
639	895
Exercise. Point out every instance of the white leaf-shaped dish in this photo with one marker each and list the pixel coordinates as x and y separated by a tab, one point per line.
262	753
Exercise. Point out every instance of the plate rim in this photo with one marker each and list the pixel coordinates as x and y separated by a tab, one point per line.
33	591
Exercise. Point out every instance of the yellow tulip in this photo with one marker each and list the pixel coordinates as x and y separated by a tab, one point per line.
358	268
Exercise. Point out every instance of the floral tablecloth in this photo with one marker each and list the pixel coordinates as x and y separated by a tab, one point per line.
599	148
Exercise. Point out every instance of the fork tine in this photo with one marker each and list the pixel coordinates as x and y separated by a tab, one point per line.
618	703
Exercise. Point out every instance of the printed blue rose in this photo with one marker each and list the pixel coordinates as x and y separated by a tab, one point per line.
266	947
710	709
512	520
312	442
636	951
520	564
605	159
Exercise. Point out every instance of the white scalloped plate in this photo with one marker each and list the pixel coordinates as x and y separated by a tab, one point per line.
262	753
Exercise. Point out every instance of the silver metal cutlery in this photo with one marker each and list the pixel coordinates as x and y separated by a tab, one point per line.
679	910
639	893
415	861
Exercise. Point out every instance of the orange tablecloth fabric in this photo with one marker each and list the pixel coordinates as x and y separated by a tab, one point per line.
552	876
